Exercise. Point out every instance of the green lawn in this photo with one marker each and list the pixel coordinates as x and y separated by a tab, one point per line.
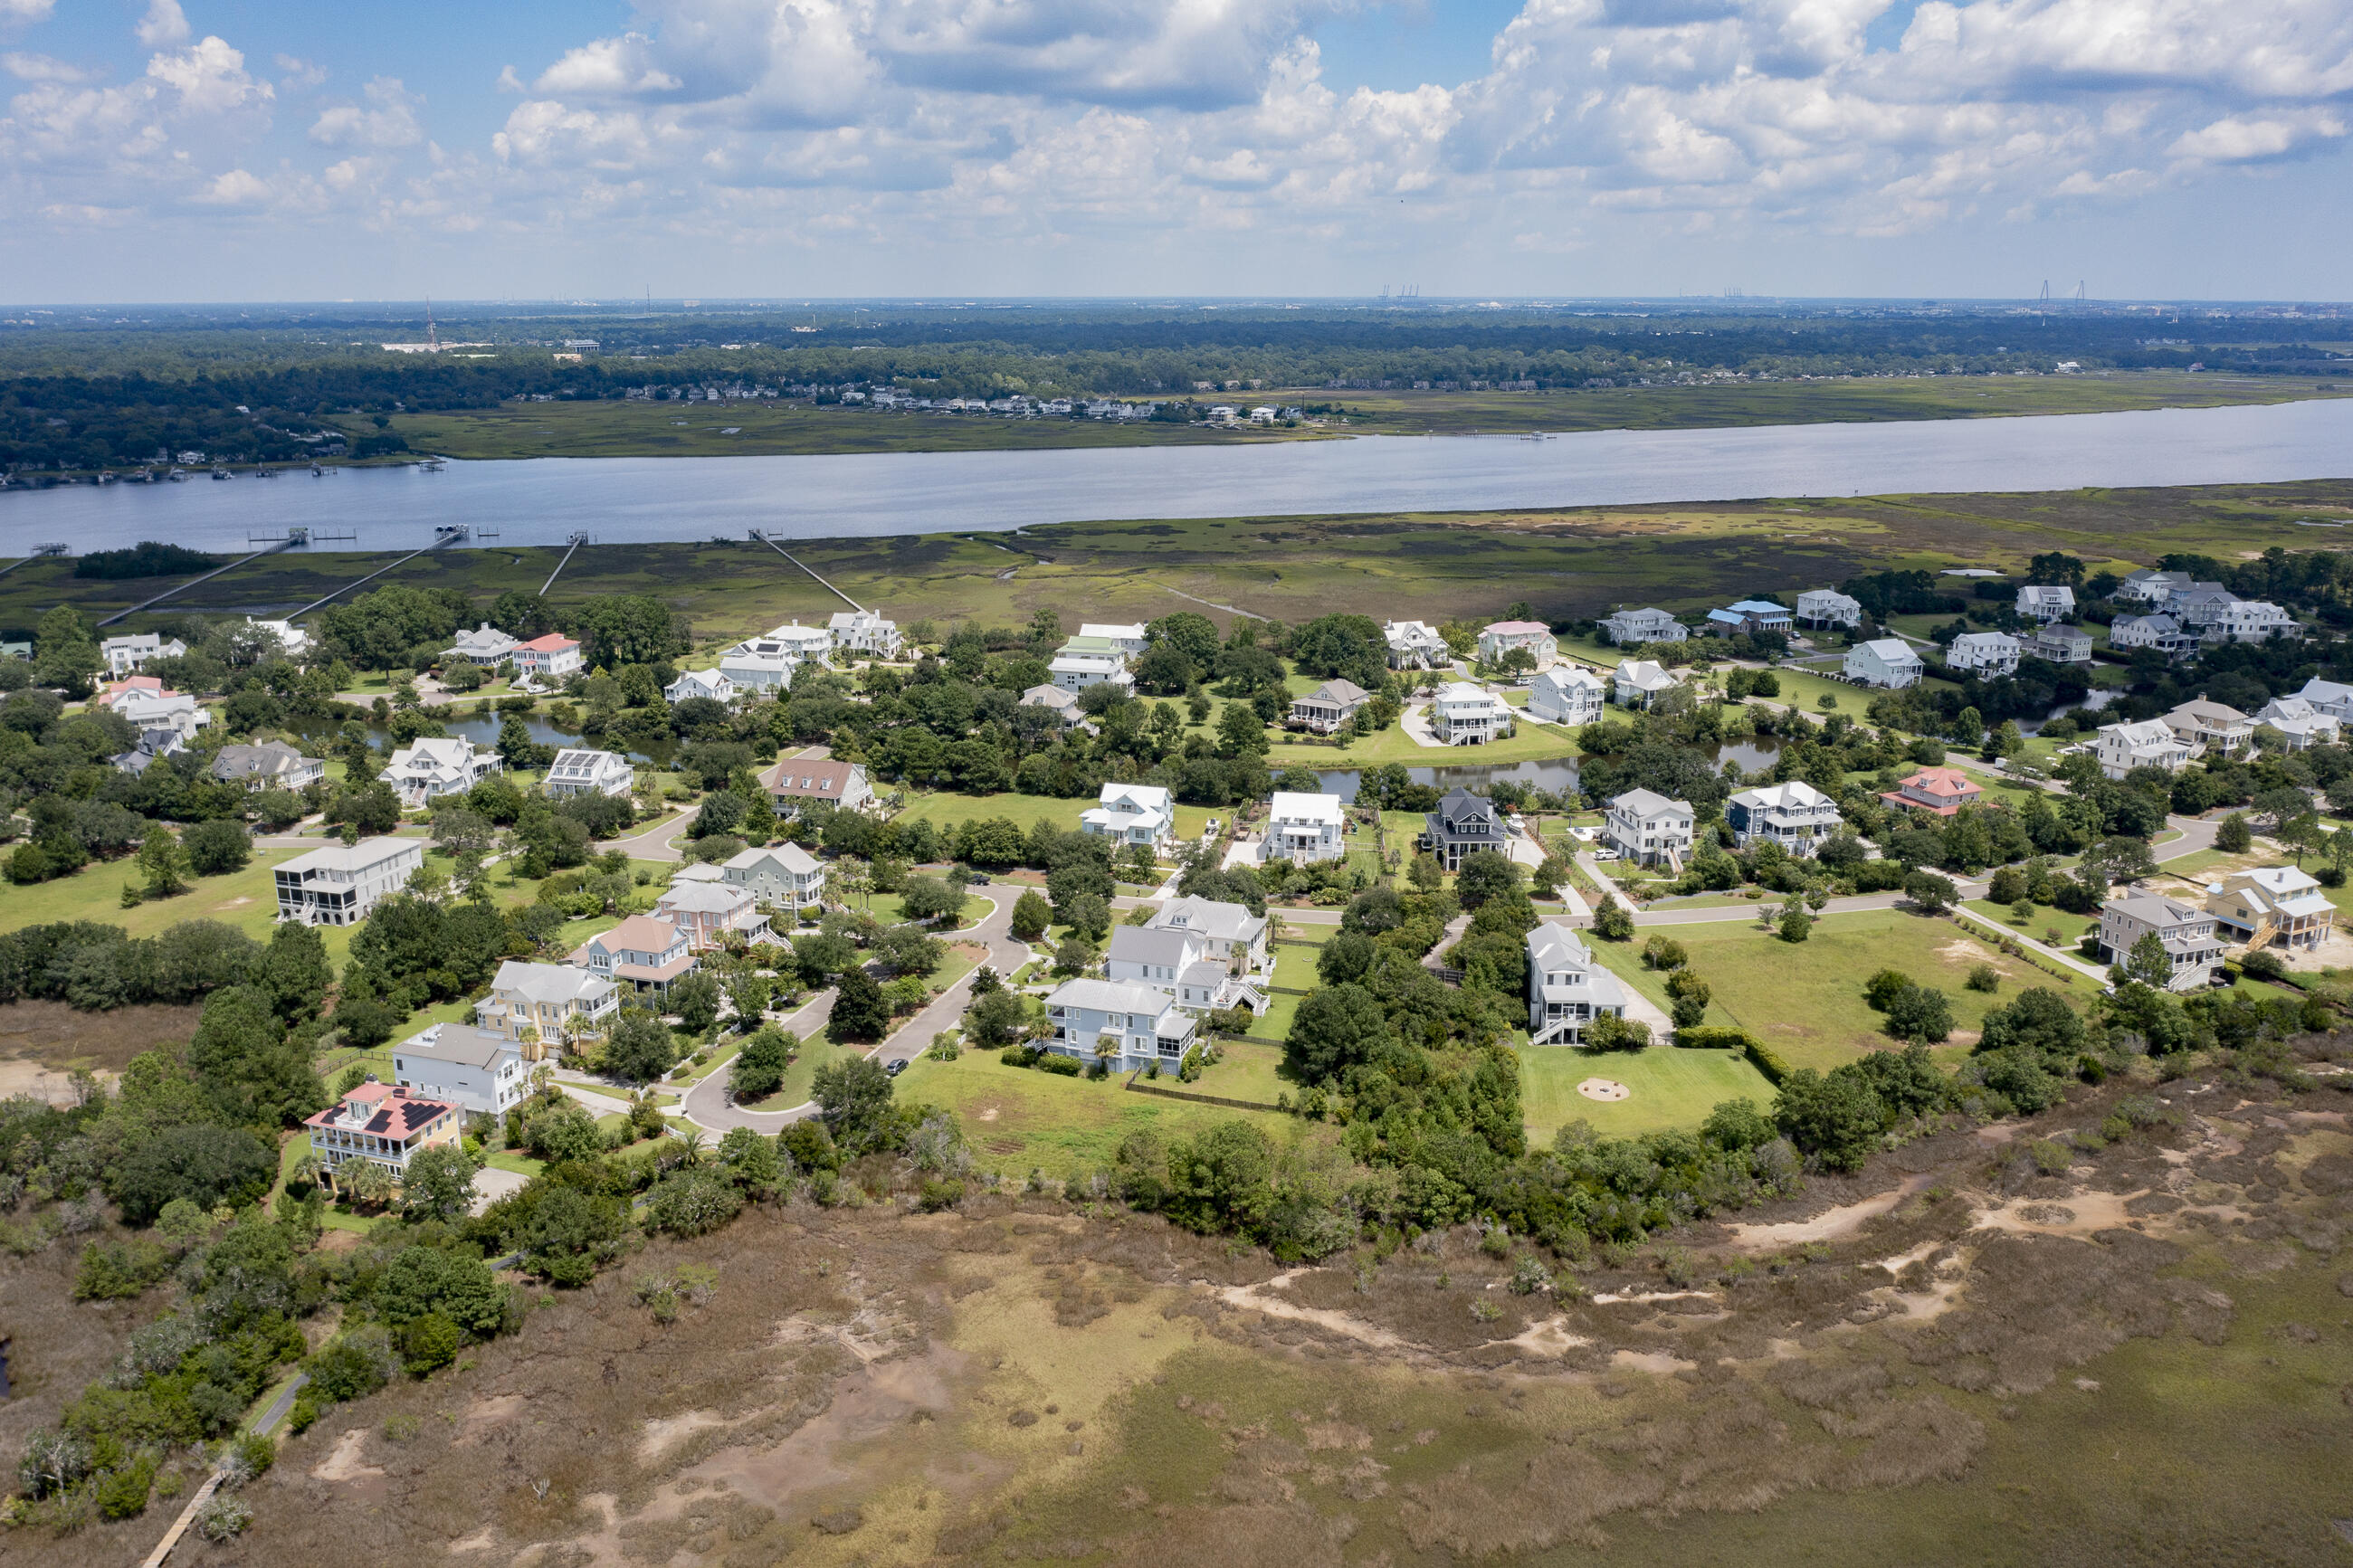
816	1052
1281	1009
247	900
1805	999
947	808
1247	1072
1018	1118
1672	1087
1533	742
2046	918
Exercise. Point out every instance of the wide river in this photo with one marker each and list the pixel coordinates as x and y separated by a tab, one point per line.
635	500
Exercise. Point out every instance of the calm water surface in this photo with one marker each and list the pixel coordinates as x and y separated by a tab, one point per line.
639	499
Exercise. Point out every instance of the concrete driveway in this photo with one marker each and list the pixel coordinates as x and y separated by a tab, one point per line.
490	1185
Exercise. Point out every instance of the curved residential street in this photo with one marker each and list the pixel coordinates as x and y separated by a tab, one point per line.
706	1104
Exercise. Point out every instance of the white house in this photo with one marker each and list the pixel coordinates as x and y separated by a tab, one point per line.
2121	748
1649	828
1461	714
641	952
2046	602
810	645
1566	694
1749	615
1132	814
2059	643
752	670
711	683
863	631
547	659
1631	628
2250	620
1061	703
1639	682
2271	905
166	721
480	1070
124	654
1828	607
814	773
1327	708
293	640
2161	632
578	771
485	645
2297	724
1885	662
271	765
1178	963
2150	586
1076	669
2200	605
1413	645
545	1007
2187	931
1304	827
1503	638
339	884
1987	655
1795	816
431	766
1124	1024
1233	936
1128	637
1567	988
2332	698
784	875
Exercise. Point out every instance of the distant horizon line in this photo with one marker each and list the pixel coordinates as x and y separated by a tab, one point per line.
1006	302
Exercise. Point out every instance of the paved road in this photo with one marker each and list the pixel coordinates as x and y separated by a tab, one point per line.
706	1105
653	842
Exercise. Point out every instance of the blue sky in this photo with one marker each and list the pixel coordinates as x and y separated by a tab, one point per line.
257	149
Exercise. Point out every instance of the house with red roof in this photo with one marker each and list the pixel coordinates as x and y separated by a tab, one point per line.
1941	790
551	657
381	1122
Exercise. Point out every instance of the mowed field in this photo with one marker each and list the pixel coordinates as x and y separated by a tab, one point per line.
1805	999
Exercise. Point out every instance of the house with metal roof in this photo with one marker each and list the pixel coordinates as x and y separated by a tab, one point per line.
578	771
480	1070
1123	1023
1569	988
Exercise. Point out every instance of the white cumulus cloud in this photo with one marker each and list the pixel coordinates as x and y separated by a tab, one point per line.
164	25
388	119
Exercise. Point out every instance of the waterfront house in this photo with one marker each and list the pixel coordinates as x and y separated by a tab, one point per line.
1986	655
1566	694
2210	729
1943	790
1639	682
2150	586
1747	617
1231	935
1648	828
708	683
382	1123
126	654
485	645
1463	825
431	766
2059	643
2161	632
1327	708
1795	816
271	765
578	771
1461	714
547	660
1124	1024
2293	724
863	631
1501	638
2250	620
2187	931
1305	827
758	668
1128	637
1076	667
1061	703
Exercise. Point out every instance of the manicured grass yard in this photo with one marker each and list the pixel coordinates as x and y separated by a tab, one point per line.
1247	1072
2046	918
1281	1009
1533	742
1019	1118
1671	1088
247	900
949	809
1805	999
816	1052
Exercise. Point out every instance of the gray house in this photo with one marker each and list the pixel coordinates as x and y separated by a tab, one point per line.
272	764
1463	824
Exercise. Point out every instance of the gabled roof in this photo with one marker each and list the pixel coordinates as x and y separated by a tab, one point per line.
1518	628
1796	793
1287	805
546	981
1339	692
1888	650
395	1112
1111	997
639	933
790	857
1950	783
553	642
459	1045
1170	945
1213	917
704	898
